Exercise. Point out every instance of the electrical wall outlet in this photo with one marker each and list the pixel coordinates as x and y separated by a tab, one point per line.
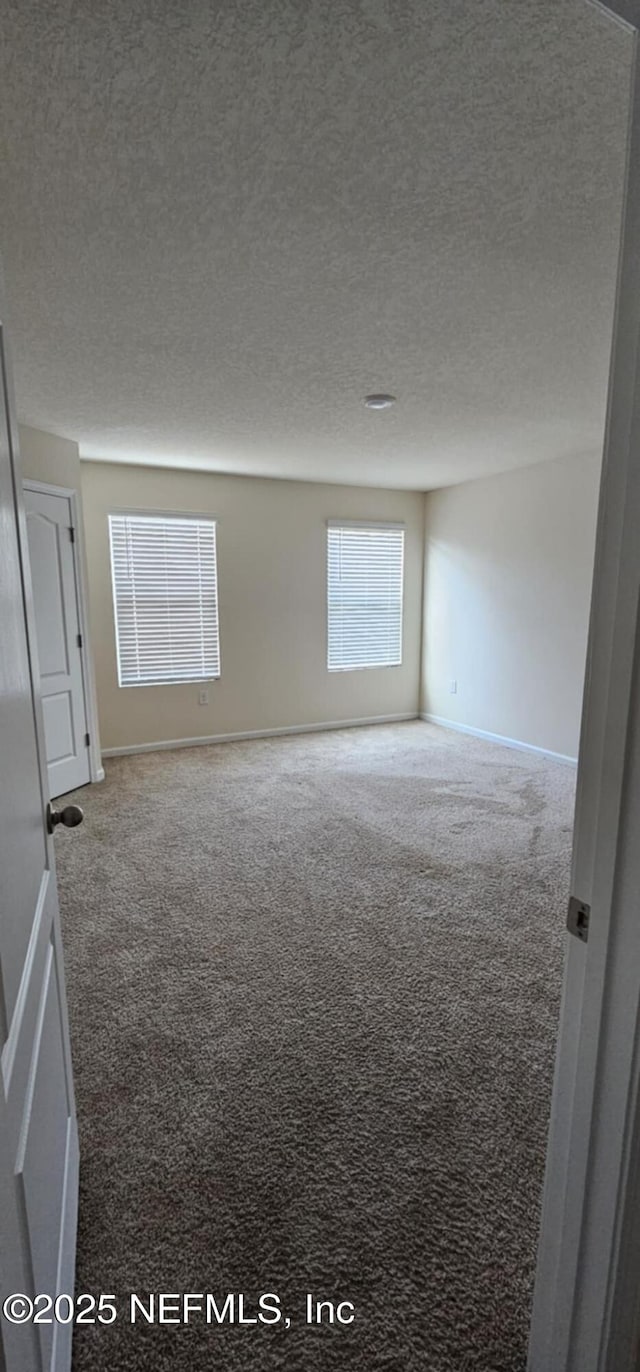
453	688
203	698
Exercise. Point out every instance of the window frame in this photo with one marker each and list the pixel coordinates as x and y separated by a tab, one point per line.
197	516
364	525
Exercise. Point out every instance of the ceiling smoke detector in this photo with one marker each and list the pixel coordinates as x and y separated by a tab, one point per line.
379	402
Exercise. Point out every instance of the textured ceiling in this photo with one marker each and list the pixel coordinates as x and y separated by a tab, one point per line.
222	224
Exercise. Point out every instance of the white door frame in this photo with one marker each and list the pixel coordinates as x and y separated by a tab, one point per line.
586	1314
79	561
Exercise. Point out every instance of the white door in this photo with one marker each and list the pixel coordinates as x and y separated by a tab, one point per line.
55	599
586	1310
38	1135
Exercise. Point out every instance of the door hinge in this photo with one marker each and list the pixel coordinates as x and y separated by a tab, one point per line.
72	534
578	917
79	640
87	740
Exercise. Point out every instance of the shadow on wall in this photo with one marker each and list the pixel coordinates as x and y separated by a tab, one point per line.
508	573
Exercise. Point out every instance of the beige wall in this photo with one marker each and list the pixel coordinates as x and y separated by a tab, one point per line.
272	589
45	457
508	568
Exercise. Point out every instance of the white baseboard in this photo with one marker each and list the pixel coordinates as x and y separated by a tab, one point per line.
499	738
99	776
164	744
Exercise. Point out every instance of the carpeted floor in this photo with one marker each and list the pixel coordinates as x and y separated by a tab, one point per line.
314	986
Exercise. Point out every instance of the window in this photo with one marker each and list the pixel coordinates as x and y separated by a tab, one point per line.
165	598
364	590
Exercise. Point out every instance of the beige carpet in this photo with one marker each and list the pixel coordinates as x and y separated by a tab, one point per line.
314	985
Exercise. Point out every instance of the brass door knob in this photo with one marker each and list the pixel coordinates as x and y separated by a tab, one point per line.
69	816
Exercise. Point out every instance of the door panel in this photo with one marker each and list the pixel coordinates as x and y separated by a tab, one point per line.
59	733
42	1158
18	1051
44	551
38	1136
53	577
23	849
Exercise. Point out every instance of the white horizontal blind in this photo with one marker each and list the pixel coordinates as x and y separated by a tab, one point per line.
165	597
365	581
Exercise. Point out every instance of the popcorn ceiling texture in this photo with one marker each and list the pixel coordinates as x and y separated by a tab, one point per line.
314	986
224	224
